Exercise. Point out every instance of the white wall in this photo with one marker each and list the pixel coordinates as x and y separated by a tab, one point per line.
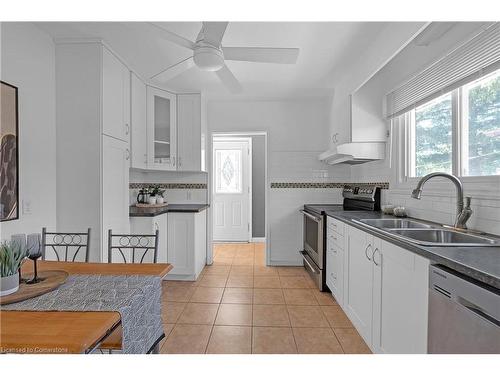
28	62
297	132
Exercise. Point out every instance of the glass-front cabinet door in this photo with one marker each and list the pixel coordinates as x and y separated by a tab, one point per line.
162	129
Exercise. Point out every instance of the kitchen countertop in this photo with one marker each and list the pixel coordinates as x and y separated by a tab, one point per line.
155	211
480	263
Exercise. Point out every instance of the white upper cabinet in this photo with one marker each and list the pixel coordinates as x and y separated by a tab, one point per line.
161	129
189	132
139	135
115	97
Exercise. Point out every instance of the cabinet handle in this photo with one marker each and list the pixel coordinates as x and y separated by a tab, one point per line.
127	129
366	251
127	154
373	256
173	161
180	161
157	227
145	158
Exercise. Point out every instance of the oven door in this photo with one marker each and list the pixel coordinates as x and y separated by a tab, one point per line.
313	237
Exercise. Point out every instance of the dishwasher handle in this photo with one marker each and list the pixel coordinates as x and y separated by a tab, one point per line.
312	217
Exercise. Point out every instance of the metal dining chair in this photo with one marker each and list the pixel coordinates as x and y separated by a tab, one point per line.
133	248
66	246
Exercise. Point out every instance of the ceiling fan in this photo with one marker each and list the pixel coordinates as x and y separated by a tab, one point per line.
210	55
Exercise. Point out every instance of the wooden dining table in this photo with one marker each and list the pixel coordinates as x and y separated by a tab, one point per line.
67	331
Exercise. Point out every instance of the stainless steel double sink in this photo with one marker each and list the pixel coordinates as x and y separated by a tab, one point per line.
429	234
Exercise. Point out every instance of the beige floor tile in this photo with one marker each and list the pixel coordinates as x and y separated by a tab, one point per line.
351	341
291	271
259	261
167	329
243	261
171	283
234	315
316	341
240	282
241	271
299	297
217	270
171	311
198	313
230	340
268	297
273	340
207	295
270	316
187	339
293	282
177	293
324	298
306	316
214	281
222	261
336	317
266	282
238	295
311	284
264	271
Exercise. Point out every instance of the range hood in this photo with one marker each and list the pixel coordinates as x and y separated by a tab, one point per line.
354	153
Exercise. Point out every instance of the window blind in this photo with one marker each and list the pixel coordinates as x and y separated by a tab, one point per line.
468	62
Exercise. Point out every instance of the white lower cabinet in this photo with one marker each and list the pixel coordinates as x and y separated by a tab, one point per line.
385	293
335	258
187	244
182	241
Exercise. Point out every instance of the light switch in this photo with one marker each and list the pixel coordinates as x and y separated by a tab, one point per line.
27	207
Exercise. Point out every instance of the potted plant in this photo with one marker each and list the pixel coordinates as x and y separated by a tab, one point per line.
159	195
11	257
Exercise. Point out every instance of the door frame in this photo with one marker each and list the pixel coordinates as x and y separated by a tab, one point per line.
210	181
241	139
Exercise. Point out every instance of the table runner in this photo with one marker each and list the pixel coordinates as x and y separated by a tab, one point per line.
137	298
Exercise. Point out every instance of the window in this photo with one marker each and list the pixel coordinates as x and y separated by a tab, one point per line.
228	171
458	132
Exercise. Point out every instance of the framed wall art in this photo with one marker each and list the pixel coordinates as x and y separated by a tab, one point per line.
9	153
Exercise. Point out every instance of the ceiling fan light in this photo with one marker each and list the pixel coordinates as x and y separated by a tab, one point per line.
208	58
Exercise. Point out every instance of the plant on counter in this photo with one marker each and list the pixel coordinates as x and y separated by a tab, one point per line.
156	191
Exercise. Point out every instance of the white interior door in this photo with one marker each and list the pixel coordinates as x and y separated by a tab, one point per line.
232	192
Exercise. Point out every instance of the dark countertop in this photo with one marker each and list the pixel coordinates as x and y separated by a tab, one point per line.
480	263
155	211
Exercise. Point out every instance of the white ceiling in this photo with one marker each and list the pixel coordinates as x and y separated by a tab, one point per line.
325	47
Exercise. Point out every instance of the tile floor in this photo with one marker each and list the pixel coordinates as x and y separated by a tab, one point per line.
238	305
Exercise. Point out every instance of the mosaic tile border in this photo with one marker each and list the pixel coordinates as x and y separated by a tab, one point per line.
140	185
325	185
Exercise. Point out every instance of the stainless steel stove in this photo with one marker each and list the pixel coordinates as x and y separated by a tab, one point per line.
356	198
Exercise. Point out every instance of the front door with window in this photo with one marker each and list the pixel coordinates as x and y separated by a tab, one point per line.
231	171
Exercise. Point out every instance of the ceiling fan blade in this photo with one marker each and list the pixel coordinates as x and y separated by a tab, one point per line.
213	32
174	70
229	80
262	54
172	37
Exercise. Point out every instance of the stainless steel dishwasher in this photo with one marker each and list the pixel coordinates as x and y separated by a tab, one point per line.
464	315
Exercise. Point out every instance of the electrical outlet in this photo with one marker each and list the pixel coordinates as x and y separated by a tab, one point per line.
27	207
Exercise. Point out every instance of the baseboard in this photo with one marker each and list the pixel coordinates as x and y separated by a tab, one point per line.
258	239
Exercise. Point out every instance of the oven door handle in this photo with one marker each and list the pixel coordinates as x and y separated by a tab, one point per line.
313	269
312	217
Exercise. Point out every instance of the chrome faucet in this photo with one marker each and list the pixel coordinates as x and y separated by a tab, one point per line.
463	213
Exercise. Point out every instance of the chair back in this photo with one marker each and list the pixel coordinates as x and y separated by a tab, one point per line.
133	248
66	246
